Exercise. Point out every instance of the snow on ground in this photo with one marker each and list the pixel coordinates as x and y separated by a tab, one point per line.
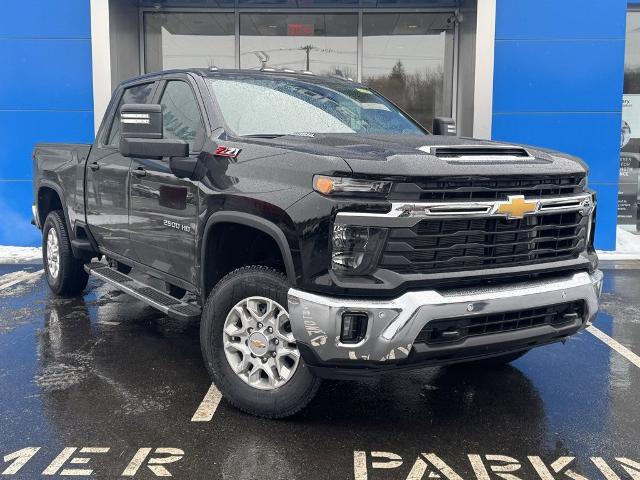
10	254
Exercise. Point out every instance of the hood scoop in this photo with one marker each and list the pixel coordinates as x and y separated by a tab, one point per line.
479	153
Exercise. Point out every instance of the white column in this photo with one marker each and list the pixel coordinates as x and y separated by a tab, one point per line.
485	49
100	59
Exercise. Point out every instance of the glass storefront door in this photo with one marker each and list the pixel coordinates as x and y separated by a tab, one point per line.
629	191
409	57
184	40
325	44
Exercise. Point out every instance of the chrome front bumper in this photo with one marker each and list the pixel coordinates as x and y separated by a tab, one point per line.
394	324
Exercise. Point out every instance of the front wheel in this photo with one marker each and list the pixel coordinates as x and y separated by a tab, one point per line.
248	346
65	273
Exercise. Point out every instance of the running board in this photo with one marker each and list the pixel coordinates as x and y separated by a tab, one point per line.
151	296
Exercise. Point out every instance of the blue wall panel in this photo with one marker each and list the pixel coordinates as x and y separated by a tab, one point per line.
558	76
568	132
554	19
45	95
20	130
15	205
558	83
45	19
46	74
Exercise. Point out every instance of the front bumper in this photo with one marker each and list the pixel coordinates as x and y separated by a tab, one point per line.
394	324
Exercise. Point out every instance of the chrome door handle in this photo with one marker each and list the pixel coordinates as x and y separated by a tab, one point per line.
139	172
94	166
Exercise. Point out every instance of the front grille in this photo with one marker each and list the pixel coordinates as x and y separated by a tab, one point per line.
495	188
449	245
457	329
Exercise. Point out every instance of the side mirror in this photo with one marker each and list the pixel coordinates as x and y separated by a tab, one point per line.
141	133
445	126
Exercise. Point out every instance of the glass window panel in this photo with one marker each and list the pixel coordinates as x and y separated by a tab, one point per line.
138	94
323	44
408	57
181	114
629	178
185	40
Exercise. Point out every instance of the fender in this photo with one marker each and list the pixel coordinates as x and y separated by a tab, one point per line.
253	221
56	188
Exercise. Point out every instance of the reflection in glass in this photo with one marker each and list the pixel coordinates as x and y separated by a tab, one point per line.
632	54
408	57
185	40
323	44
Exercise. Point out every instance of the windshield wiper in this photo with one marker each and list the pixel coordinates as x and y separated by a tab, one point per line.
264	135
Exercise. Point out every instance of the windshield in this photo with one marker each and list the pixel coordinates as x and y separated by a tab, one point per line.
276	106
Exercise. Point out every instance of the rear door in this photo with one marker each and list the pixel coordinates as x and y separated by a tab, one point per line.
107	177
164	208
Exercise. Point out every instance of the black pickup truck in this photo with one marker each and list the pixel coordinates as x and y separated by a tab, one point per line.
320	231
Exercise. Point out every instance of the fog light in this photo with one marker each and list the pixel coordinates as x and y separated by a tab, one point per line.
355	249
354	327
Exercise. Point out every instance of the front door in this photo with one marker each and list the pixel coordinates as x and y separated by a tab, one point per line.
164	208
107	181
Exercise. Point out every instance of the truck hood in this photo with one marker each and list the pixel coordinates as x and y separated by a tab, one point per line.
406	156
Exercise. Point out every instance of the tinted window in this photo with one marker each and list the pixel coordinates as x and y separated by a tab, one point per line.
180	113
138	94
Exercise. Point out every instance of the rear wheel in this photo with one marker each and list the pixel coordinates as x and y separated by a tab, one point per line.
65	273
248	346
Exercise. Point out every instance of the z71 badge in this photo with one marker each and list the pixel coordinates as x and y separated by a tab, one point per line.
230	152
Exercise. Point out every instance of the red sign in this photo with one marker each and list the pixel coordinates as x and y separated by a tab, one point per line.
300	29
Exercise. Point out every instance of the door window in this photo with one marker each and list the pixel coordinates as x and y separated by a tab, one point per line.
181	117
138	94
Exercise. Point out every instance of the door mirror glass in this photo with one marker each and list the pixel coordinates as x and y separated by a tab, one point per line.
141	121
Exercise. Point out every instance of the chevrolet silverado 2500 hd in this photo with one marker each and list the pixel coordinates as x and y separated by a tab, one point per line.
320	231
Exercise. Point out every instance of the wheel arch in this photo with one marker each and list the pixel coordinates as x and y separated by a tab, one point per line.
49	198
247	220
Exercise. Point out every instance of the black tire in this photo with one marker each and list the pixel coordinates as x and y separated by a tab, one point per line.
494	362
71	279
280	402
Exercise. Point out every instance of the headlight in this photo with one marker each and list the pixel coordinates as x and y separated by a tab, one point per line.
356	249
346	186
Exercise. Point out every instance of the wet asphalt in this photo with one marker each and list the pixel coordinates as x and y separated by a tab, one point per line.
106	371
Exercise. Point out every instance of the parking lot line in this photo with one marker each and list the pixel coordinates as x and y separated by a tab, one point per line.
18	277
208	405
621	349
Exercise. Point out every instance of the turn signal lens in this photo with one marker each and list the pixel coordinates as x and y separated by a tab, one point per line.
350	186
323	185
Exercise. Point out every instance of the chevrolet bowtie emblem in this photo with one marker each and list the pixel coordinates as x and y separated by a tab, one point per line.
516	207
258	343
